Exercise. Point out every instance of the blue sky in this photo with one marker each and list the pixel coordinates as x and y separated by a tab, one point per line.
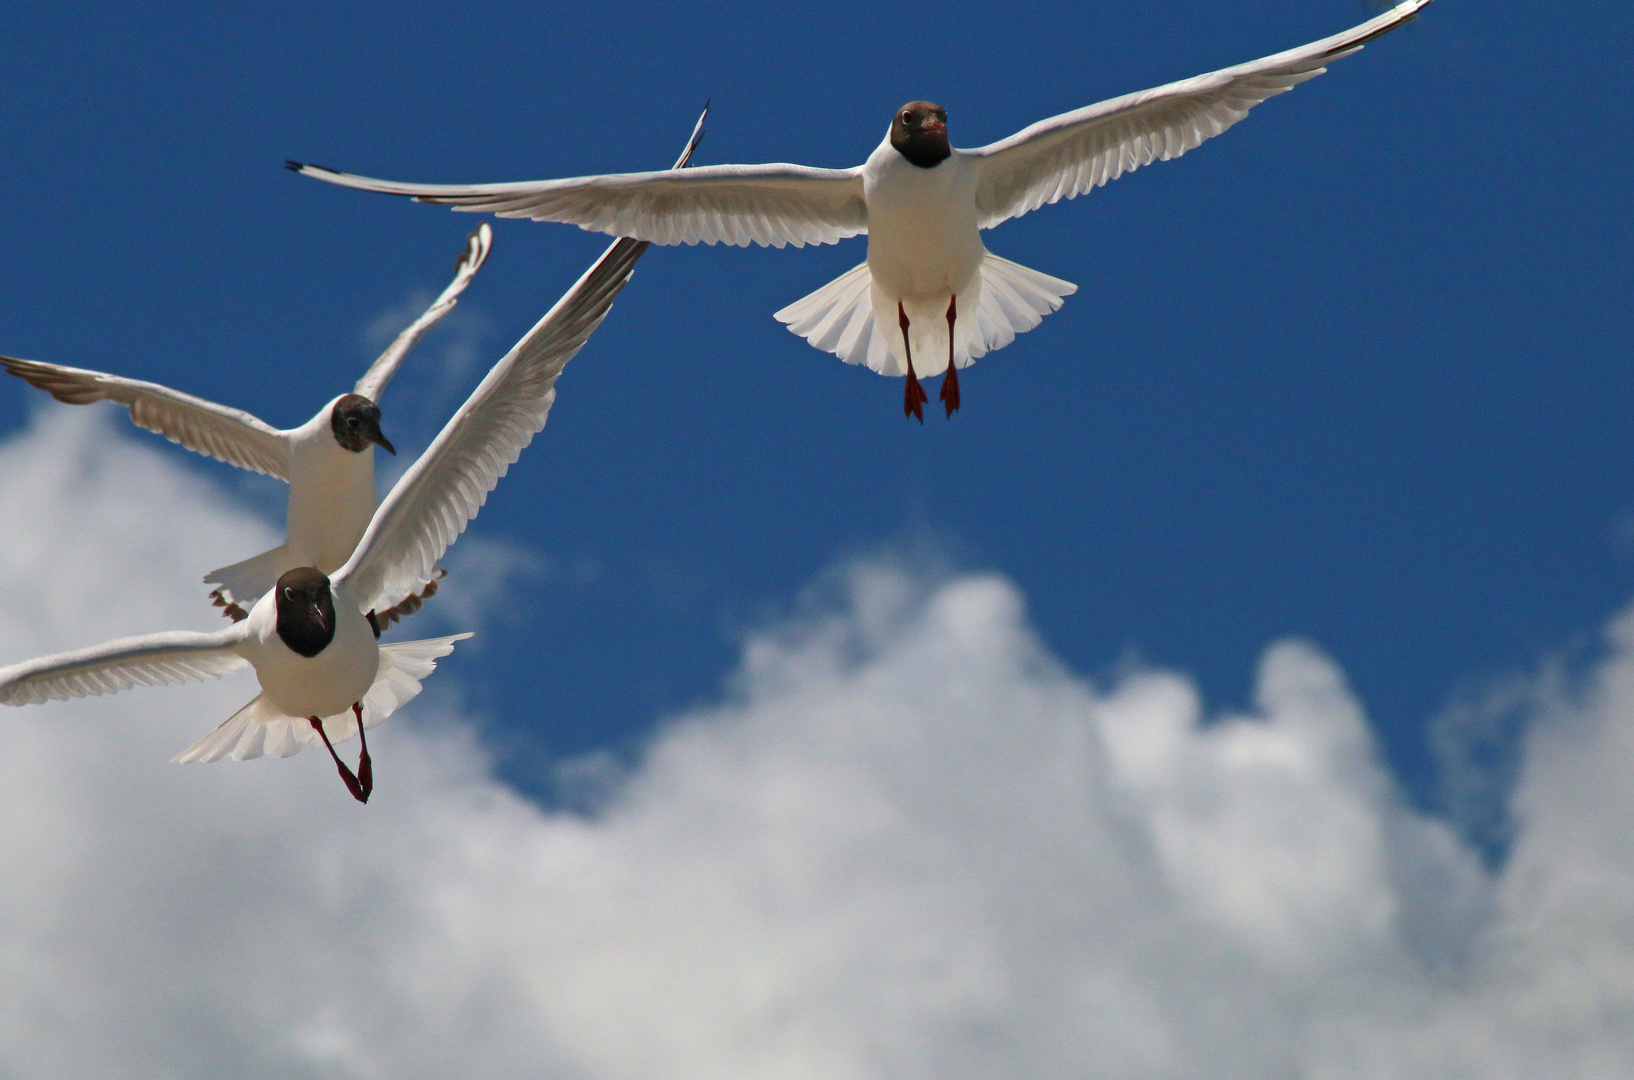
1354	371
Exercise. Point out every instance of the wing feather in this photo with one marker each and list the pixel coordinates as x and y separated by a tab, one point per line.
440	493
151	660
229	435
770	205
1074	153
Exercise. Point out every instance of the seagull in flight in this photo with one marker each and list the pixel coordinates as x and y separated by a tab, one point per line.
929	287
327	461
313	637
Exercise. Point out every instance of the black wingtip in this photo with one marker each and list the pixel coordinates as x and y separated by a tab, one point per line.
294	166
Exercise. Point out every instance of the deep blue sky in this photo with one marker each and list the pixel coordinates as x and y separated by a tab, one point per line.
1356	370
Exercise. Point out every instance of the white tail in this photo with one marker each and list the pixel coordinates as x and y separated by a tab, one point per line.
245	582
261	728
848	317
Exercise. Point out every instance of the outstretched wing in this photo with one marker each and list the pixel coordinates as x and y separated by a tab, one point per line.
229	435
1067	155
440	493
771	205
477	245
152	660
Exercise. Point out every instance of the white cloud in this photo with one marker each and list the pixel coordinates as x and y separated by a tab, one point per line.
907	843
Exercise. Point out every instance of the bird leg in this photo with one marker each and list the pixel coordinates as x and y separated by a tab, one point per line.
346	774
950	382
365	765
913	395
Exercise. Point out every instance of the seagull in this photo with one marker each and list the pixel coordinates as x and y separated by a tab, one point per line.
929	286
327	461
313	638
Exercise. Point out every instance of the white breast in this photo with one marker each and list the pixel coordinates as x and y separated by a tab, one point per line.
923	240
321	685
331	498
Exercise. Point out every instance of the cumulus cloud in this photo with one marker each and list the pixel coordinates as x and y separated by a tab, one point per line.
906	842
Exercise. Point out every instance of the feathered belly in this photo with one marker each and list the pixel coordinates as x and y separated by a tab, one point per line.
917	272
325	684
329	514
923	240
924	261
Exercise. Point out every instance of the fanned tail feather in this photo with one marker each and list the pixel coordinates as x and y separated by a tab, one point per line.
840	317
1014	300
260	728
243	583
243	735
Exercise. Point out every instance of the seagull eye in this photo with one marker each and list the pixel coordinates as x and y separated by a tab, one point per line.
289	593
907	118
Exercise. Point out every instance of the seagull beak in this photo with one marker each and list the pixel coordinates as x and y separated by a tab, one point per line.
381	441
934	127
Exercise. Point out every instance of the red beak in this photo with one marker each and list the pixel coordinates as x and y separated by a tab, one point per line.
935	127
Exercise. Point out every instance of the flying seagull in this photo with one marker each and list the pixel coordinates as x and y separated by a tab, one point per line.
313	638
328	461
929	286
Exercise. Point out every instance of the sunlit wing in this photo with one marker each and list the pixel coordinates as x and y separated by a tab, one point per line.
152	660
771	205
1067	155
229	435
477	245
431	504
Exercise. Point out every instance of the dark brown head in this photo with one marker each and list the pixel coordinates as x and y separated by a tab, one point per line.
355	420
919	133
306	611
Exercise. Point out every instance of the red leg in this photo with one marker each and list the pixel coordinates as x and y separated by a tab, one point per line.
950	381
345	774
365	766
913	395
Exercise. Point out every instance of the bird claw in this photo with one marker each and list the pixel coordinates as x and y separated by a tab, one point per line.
914	398
360	789
950	390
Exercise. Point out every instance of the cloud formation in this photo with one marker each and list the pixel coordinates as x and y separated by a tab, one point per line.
906	843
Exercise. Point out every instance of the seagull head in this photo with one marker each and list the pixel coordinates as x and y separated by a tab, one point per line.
355	420
919	133
306	610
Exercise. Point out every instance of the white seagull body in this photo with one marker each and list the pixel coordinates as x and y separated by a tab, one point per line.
929	287
331	482
323	674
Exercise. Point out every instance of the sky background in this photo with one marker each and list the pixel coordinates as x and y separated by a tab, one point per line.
1354	372
1241	685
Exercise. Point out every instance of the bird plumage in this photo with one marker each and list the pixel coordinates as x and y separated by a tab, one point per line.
304	673
331	485
922	211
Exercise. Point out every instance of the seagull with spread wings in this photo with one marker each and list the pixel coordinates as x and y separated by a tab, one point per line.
313	637
929	286
327	461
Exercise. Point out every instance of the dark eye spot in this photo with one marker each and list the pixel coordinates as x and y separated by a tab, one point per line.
907	118
289	593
